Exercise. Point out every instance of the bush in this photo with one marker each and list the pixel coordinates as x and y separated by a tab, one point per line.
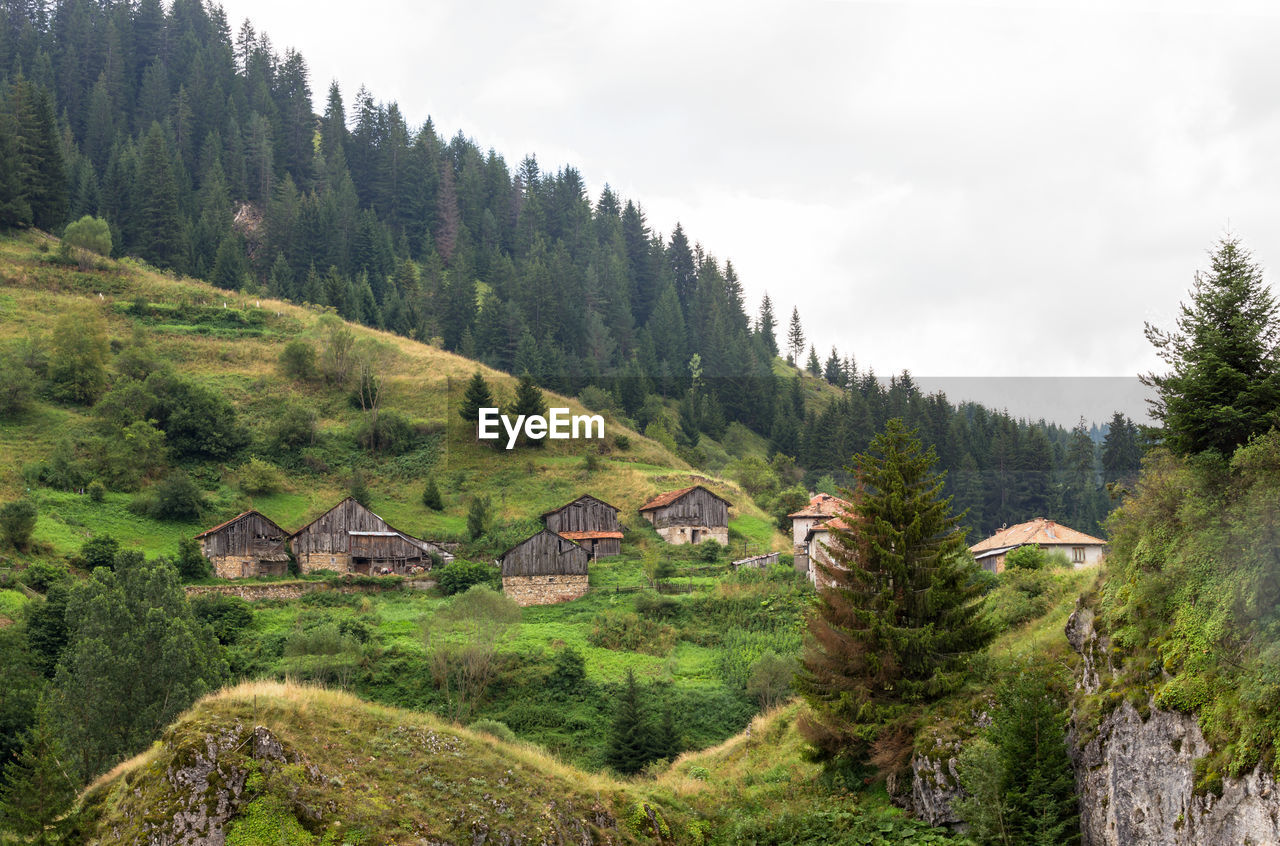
298	360
197	421
622	442
260	477
294	427
98	552
710	550
459	575
770	681
392	434
175	497
40	575
1026	558
226	616
89	233
17	522
631	633
191	563
97	491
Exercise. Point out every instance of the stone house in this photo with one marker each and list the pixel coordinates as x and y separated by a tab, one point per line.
589	522
821	507
544	569
818	541
350	538
1082	550
689	515
249	544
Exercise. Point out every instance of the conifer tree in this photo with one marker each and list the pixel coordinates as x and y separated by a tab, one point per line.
813	365
158	220
895	616
1224	382
37	788
767	325
529	402
431	495
1121	452
795	338
477	396
833	370
631	738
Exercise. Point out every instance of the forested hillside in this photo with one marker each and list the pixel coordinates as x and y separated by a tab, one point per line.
198	143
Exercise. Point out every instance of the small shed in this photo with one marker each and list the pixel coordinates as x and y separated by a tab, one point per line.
350	538
589	522
544	569
1083	550
249	544
689	515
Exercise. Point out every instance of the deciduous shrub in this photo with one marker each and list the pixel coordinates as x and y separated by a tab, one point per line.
458	575
17	522
631	633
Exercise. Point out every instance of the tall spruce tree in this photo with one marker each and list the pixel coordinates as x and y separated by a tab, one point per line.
895	617
1224	383
631	738
767	325
1121	452
795	337
813	365
529	402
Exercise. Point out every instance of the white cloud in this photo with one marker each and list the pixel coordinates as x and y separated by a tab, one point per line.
933	183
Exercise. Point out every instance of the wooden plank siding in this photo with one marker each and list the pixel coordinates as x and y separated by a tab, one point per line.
327	534
698	507
584	514
250	535
544	554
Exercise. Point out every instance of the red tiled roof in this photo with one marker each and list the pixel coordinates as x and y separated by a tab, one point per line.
823	505
1040	531
671	496
577	536
835	523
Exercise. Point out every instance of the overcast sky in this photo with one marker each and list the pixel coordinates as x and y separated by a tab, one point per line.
974	189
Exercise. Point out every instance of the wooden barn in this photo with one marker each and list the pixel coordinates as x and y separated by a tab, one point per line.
248	544
350	538
589	522
689	515
544	569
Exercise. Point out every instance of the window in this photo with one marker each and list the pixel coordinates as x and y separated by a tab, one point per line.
1077	555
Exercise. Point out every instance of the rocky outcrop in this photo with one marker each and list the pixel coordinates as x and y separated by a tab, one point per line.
934	786
1136	774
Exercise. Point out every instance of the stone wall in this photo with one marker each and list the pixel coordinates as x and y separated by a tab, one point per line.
677	535
339	562
232	566
251	592
544	590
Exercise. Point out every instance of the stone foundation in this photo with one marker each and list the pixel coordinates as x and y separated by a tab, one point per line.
339	562
233	566
544	590
252	592
677	535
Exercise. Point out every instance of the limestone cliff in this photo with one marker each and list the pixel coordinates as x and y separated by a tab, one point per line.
1136	774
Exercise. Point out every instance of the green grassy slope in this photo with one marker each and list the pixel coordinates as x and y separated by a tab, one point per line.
232	342
328	768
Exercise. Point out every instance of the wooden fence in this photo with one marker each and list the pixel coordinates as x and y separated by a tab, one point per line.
759	561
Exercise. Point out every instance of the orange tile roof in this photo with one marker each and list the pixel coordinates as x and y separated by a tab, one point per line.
835	523
1040	531
671	496
577	536
823	505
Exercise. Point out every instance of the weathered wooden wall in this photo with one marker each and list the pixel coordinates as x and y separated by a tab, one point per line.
696	508
545	554
328	534
250	535
586	515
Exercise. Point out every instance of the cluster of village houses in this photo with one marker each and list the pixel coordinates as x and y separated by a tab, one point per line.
812	526
551	565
